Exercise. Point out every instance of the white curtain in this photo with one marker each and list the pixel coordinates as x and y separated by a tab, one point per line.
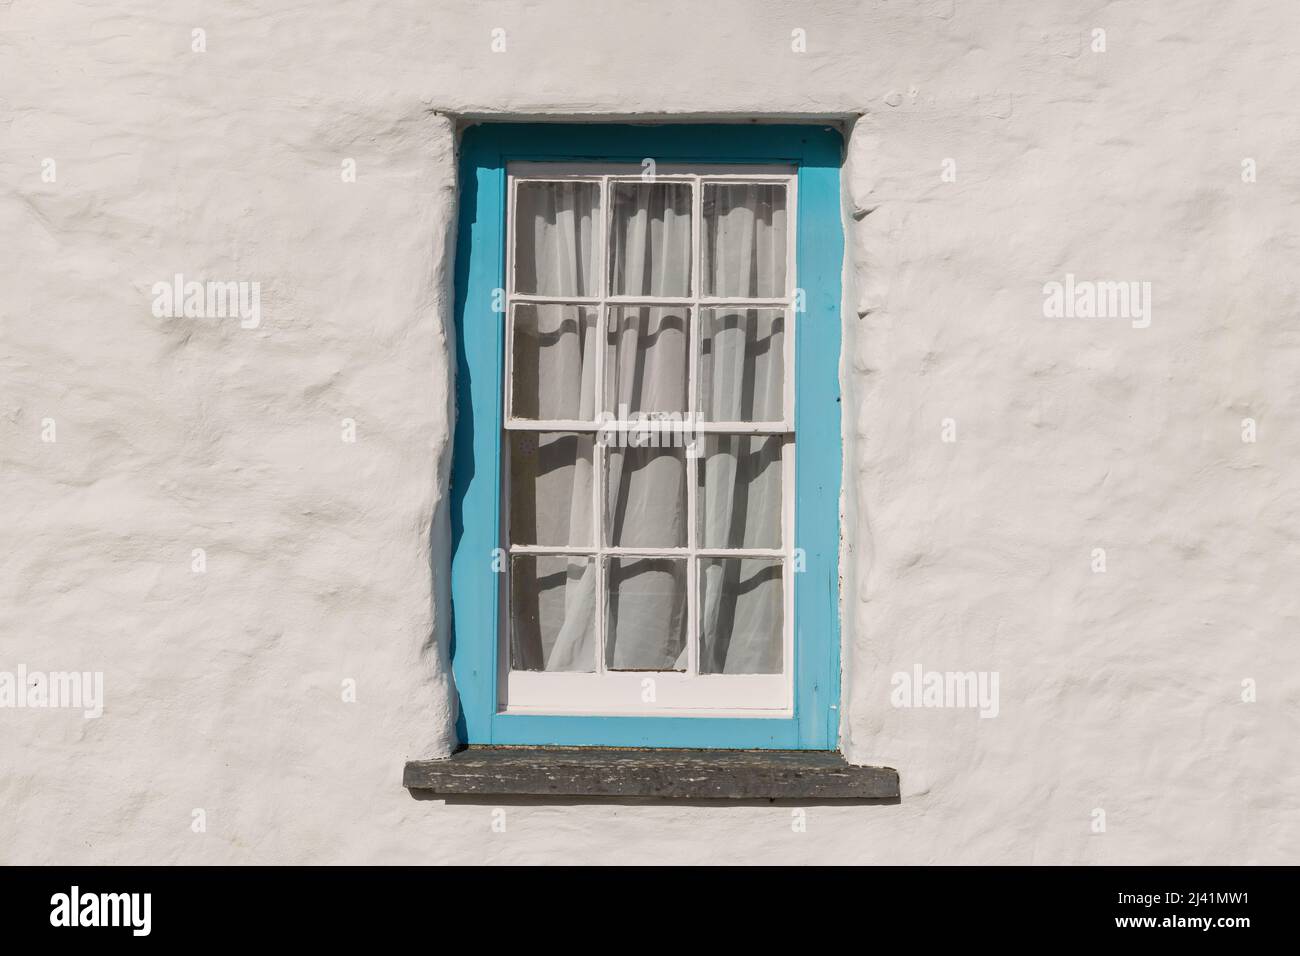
551	473
646	351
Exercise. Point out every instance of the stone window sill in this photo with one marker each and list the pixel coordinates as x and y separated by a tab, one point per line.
639	773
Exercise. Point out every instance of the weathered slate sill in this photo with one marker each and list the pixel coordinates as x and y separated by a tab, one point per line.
669	774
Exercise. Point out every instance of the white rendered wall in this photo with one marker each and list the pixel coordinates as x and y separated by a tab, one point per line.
1119	691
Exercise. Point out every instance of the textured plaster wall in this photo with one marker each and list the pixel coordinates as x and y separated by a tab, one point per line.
1120	691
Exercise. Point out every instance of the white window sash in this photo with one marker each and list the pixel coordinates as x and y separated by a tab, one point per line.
610	692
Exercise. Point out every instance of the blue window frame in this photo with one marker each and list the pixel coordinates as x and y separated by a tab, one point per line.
486	150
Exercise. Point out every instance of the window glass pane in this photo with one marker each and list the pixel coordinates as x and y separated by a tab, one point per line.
742	607
648	355
742	365
553	373
551	488
557	233
739	501
650	239
552	613
645	494
744	240
645	626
